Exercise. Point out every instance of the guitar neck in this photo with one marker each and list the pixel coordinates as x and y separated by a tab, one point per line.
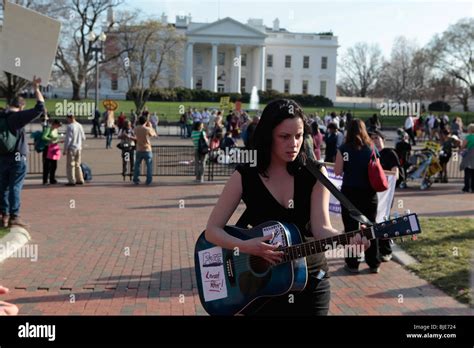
398	227
322	245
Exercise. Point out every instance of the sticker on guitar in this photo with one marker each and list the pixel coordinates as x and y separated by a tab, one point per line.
277	231
212	274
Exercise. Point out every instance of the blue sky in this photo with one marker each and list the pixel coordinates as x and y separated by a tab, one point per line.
376	21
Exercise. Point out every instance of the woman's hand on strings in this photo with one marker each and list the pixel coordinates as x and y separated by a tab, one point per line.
259	247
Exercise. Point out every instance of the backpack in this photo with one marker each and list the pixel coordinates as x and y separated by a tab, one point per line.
203	147
38	141
86	172
8	139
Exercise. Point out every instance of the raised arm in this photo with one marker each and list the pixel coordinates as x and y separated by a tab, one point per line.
22	118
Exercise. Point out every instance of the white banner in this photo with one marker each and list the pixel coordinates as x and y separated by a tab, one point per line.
28	43
385	198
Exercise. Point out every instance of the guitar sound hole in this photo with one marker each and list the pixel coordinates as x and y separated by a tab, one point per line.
259	265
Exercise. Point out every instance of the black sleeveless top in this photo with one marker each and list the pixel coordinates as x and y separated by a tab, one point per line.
262	206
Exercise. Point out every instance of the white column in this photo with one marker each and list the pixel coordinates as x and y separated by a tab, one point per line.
189	66
238	69
213	70
263	59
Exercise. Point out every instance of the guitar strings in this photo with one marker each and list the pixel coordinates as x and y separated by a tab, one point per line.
254	260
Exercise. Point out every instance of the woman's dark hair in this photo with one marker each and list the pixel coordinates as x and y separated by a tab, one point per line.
275	113
357	136
197	126
315	128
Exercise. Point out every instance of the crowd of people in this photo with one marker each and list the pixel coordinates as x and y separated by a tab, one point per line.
342	139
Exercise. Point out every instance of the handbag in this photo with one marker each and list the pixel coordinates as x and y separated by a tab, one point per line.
377	177
54	152
203	147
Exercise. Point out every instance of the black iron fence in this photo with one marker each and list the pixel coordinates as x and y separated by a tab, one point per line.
174	160
171	160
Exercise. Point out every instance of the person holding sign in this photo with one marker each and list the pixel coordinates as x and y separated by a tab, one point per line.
13	154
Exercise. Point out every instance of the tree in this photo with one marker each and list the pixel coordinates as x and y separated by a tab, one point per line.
151	53
405	76
74	57
441	88
360	68
453	54
419	75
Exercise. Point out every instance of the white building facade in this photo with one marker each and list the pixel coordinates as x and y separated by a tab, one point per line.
275	59
232	57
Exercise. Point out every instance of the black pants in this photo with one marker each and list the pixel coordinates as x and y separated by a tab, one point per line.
313	300
49	168
366	201
96	129
384	247
128	161
468	180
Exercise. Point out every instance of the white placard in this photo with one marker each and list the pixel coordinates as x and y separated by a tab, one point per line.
28	43
385	198
211	264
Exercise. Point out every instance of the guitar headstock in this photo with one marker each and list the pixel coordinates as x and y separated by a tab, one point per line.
406	225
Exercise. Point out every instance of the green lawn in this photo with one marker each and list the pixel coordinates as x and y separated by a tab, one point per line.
3	231
445	250
170	111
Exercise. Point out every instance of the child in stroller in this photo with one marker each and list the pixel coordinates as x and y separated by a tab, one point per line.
425	164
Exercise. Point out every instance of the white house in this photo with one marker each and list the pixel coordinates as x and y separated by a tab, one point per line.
230	56
270	58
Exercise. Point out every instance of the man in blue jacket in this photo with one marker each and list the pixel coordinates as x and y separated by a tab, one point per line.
13	166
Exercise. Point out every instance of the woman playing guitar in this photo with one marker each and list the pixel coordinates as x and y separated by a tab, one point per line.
278	188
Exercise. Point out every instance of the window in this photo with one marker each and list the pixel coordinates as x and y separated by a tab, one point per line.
287	86
287	61
243	60
269	60
199	58
324	63
220	88
242	85
221	58
322	88
306	62
199	82
268	84
114	82
305	86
